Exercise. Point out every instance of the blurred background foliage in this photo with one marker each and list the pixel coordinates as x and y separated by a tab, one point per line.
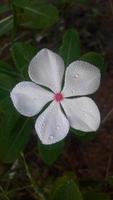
29	169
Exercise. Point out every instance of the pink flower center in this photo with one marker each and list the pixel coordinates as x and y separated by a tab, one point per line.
58	97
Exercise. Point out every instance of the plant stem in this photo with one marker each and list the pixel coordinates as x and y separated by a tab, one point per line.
4	194
33	182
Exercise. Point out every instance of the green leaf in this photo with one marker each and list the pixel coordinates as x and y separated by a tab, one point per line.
4	8
14	130
72	1
82	1
70	49
110	181
22	53
7	69
83	136
95	196
95	59
49	153
14	135
24	3
6	25
66	189
35	14
6	84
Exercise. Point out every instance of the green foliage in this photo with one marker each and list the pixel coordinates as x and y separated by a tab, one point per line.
49	153
91	195
14	130
4	8
14	135
6	25
24	3
95	59
110	181
35	14
70	49
7	69
6	84
8	79
72	1
80	135
22	53
82	1
66	188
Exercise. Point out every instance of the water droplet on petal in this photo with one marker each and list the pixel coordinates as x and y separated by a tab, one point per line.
43	125
50	137
58	127
73	91
43	117
76	75
85	114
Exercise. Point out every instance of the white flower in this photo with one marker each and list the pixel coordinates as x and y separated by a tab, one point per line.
81	78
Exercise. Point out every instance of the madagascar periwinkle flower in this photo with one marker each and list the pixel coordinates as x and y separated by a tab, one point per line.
65	110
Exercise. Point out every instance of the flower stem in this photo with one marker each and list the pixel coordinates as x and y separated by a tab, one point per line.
32	181
4	194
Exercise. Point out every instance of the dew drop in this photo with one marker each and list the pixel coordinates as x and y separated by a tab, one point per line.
43	118
50	137
58	127
73	91
85	114
76	75
43	125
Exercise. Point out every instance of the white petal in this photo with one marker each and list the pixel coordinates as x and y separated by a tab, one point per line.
52	125
29	98
82	113
47	69
81	78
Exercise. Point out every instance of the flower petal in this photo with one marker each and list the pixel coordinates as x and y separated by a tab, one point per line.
82	113
47	69
52	125
81	78
29	98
